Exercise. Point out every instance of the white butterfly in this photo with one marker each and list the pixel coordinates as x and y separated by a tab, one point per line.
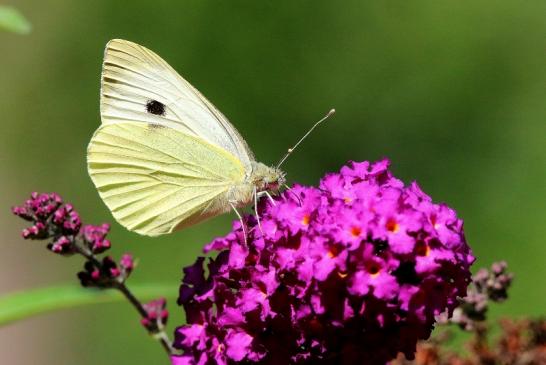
164	157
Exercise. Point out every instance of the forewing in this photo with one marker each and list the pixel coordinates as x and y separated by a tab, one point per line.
133	77
157	179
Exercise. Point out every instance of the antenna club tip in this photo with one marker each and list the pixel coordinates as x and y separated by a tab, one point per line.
331	112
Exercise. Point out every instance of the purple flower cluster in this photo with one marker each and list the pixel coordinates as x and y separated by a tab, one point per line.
58	222
352	272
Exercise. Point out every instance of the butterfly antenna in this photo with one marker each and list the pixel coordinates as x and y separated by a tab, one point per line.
290	150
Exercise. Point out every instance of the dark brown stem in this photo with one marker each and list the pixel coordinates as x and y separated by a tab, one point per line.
154	330
158	333
481	346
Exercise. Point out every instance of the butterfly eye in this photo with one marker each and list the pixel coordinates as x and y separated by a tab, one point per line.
155	107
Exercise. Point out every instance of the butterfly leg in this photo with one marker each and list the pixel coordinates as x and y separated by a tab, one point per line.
256	210
288	188
240	219
266	193
270	198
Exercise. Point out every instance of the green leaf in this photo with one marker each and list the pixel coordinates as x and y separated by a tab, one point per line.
25	304
13	21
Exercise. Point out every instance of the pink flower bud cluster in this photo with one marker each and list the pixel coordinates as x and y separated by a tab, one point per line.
156	314
487	286
58	222
106	273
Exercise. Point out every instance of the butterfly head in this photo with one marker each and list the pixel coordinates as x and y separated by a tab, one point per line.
266	178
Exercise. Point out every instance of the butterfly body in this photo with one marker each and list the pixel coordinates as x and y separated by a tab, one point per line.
164	157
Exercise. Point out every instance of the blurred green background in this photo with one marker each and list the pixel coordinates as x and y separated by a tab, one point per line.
452	91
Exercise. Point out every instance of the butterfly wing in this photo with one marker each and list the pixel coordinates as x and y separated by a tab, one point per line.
135	78
157	179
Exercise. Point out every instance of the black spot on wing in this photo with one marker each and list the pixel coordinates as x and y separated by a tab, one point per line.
155	107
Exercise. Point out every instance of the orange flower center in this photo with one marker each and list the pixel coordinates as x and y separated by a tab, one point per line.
373	269
355	231
422	249
305	220
392	226
333	252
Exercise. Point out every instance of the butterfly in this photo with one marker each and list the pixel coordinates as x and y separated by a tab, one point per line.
164	158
